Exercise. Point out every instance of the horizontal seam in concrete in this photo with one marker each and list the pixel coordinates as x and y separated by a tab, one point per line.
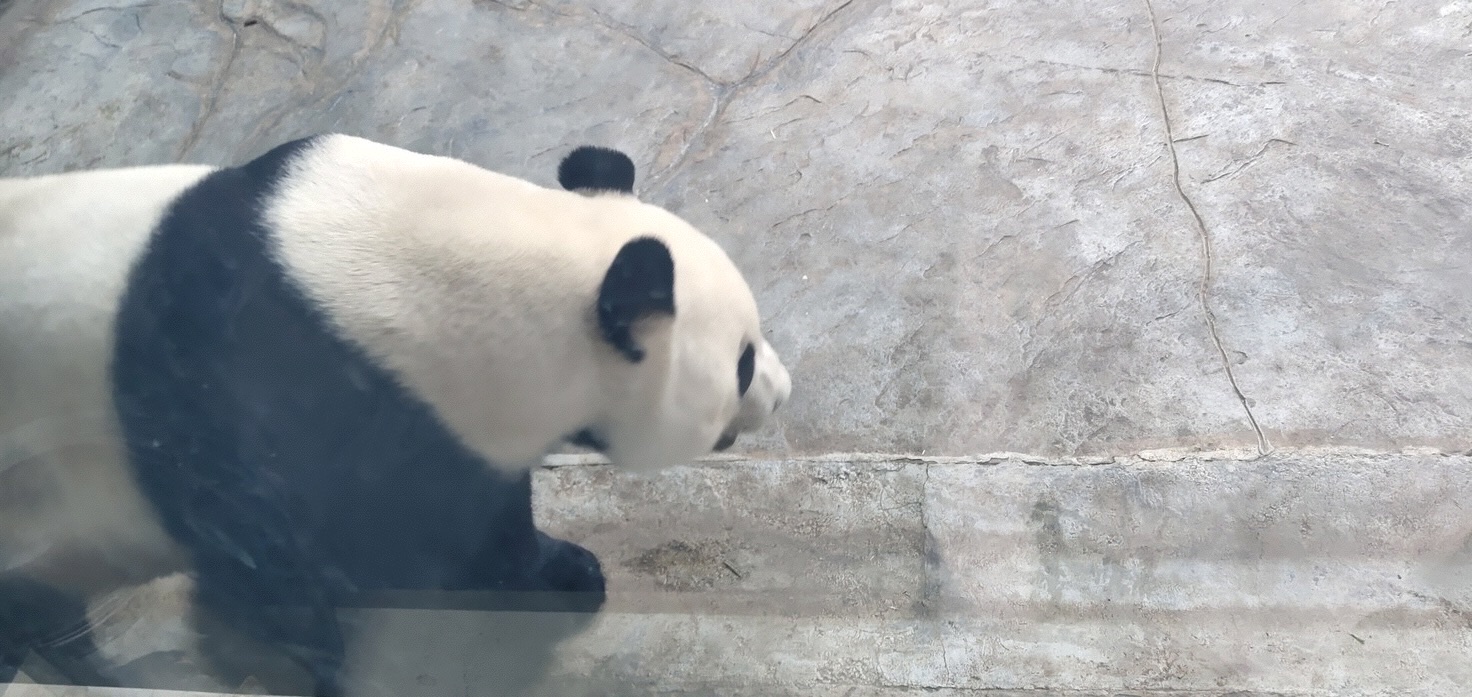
1086	692
682	687
995	458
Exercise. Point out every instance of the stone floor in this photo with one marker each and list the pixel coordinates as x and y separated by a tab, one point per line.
1131	339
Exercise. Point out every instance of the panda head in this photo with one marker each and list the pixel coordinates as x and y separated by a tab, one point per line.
688	370
527	316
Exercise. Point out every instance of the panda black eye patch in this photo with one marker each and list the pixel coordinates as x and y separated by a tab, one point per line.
746	369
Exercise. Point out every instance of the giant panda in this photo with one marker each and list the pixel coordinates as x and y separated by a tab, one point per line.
330	371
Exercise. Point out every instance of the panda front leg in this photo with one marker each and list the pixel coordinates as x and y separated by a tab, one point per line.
38	618
287	612
566	567
516	556
257	575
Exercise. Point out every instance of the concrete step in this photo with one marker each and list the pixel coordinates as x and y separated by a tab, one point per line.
1345	574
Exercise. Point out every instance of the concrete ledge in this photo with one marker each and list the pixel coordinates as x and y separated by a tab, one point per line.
1345	574
1303	573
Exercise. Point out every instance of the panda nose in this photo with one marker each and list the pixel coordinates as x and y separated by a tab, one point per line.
726	441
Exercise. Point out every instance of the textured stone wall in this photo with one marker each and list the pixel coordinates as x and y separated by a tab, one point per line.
975	226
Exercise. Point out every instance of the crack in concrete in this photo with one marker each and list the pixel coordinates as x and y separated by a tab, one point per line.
718	104
107	8
927	605
1204	290
100	40
724	94
316	96
593	16
717	89
302	52
632	33
212	102
1143	73
1229	169
775	61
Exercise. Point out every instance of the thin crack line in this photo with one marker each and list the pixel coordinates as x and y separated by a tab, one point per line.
657	182
1228	170
777	60
726	93
211	103
316	95
632	33
1263	448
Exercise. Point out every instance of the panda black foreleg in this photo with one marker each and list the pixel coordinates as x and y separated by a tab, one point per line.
546	589
256	575
573	570
557	575
38	618
289	614
14	648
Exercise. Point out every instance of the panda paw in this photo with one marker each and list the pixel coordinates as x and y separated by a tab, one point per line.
572	570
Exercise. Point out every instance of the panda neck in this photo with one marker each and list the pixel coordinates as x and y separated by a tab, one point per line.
449	277
509	360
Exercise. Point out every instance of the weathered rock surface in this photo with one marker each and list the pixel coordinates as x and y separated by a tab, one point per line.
961	217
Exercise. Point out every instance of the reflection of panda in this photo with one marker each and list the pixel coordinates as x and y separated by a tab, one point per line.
330	370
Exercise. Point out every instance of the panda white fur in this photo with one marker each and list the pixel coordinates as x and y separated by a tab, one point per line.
329	370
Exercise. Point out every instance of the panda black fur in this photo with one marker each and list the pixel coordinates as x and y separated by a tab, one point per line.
330	370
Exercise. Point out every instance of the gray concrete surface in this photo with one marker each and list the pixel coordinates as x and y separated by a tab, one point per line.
1315	575
1141	242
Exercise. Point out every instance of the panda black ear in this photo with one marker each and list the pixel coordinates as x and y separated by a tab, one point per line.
640	283
592	169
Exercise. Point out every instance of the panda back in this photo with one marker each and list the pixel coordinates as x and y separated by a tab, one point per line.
67	244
